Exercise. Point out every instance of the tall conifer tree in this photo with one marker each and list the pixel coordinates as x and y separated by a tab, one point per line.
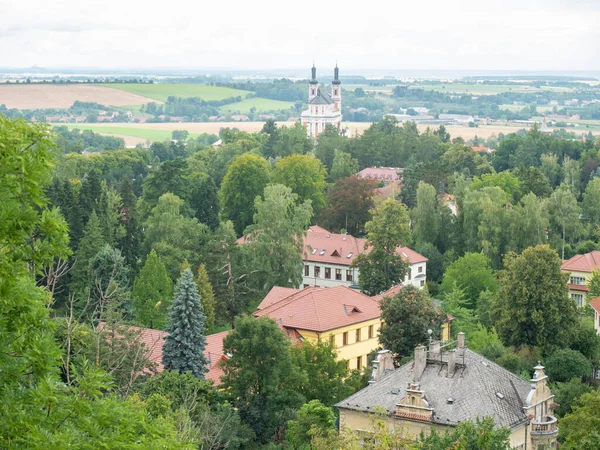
152	291
89	246
183	349
207	295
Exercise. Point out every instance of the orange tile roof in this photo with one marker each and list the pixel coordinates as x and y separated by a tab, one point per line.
154	340
583	263
480	149
578	287
322	309
595	303
275	294
342	249
389	293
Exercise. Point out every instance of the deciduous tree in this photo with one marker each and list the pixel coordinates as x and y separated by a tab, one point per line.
305	176
152	292
472	273
207	296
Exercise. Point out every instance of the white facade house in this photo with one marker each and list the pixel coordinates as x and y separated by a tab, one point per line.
323	108
328	257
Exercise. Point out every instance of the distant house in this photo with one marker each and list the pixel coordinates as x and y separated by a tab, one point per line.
105	118
580	268
458	119
80	119
450	201
178	119
440	388
328	258
478	148
348	319
239	117
385	174
154	340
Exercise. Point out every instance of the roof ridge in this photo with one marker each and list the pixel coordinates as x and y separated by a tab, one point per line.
316	306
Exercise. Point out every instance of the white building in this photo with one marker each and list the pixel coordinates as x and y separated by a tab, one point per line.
323	109
327	258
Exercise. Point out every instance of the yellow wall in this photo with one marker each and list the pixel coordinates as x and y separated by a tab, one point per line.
353	349
586	275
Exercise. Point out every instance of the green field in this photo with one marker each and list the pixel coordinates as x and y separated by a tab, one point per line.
144	133
160	92
486	89
261	104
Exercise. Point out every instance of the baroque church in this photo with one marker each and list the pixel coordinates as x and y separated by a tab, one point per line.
323	108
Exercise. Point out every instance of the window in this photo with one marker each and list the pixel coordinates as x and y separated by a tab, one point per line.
370	331
422	283
420	269
328	273
317	272
306	285
347	364
338	274
409	273
348	275
359	363
578	299
322	252
332	339
580	281
306	270
358	335
345	338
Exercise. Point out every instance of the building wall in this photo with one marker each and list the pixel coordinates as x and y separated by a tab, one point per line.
412	278
597	321
352	350
577	295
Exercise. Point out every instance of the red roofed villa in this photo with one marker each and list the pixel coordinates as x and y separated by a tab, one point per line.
580	268
385	174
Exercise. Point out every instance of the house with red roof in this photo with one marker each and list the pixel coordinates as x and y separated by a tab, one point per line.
595	304
349	319
383	174
580	268
328	258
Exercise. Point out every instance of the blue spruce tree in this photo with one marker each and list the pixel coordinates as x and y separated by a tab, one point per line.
183	349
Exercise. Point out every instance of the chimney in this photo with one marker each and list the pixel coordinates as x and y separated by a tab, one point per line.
382	363
434	349
451	363
420	362
461	344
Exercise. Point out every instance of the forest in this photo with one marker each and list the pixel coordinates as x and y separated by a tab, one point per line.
97	245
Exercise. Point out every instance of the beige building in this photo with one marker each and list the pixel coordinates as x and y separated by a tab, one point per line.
580	268
441	388
595	304
328	259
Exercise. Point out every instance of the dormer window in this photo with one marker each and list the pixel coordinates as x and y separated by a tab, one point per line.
314	251
322	252
349	255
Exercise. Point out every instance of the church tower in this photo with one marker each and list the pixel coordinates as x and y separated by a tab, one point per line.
336	88
313	86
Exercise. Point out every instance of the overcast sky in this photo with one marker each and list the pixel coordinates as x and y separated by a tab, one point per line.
265	34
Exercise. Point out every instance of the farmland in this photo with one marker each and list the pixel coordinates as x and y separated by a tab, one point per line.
261	104
161	92
485	89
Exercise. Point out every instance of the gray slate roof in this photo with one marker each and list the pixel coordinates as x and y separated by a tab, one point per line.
322	98
473	388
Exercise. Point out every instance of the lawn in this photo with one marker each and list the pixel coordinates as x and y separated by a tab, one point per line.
160	92
144	133
261	104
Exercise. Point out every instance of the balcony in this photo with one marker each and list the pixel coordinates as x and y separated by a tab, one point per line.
544	427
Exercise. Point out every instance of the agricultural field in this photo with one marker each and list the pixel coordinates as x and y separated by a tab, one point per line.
367	88
486	89
39	96
124	131
161	92
261	104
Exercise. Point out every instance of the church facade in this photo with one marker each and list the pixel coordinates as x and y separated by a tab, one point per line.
323	108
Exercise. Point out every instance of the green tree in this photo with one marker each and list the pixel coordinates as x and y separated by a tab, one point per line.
407	316
276	237
550	168
579	429
174	237
89	194
425	216
170	176
533	180
591	201
350	203
203	198
468	435
108	279
152	291
246	179
344	165
566	394
593	285
564	214
130	240
533	305
504	180
457	305
305	176
472	273
381	266
207	295
565	364
89	246
260	376
531	222
110	206
184	345
312	414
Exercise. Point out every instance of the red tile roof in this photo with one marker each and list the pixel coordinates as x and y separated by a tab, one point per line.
322	309
154	340
323	246
381	173
275	294
595	303
578	287
583	263
481	149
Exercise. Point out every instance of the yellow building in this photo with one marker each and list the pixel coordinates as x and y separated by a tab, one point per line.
440	388
349	319
580	268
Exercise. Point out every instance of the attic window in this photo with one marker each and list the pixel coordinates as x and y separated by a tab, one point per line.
351	309
450	401
335	253
499	395
350	255
322	252
314	251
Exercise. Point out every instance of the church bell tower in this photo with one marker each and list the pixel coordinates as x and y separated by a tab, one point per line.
336	88
313	85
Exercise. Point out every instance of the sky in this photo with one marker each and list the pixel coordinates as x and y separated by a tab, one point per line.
266	35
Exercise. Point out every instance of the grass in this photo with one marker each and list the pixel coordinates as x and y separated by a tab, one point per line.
144	133
261	104
161	92
485	89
